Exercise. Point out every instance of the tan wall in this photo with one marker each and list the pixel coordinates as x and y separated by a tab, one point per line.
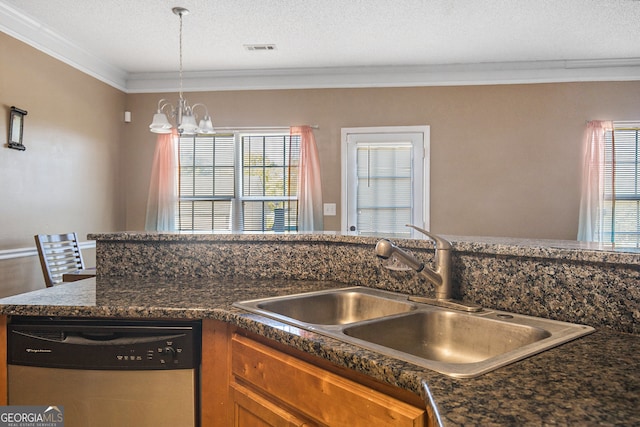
68	177
506	159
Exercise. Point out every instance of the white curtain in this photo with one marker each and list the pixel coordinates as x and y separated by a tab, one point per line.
162	200
309	183
592	199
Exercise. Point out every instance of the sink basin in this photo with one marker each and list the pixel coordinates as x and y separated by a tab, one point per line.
446	336
335	307
455	343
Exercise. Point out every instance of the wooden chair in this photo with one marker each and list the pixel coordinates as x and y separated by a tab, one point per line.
59	254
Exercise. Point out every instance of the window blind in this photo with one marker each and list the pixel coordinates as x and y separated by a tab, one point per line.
263	179
270	180
621	215
385	188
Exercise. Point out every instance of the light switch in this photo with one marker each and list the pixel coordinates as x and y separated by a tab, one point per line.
330	209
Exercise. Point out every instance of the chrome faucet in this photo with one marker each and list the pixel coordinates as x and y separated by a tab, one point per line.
440	277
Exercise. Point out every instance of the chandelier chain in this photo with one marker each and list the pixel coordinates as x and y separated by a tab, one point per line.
186	121
180	55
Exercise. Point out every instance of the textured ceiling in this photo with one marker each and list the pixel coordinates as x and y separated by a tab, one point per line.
141	36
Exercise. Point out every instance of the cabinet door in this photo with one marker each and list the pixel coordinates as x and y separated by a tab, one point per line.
253	410
215	408
317	394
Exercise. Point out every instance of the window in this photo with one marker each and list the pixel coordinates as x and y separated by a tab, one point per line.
621	213
270	182
239	181
206	182
385	177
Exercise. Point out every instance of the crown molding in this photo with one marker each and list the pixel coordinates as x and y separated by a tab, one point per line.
390	76
36	35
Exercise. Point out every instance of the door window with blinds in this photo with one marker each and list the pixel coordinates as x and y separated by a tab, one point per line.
621	214
385	178
239	182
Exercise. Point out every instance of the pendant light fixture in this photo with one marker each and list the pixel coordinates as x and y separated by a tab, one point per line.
184	114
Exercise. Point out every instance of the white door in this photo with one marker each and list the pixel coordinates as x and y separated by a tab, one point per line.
385	180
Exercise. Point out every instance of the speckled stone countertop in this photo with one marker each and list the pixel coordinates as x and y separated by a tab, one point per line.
561	280
594	380
534	248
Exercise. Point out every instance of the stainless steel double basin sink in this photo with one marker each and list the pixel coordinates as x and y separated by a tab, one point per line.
455	343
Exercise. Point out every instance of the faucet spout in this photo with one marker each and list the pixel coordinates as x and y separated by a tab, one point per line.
440	277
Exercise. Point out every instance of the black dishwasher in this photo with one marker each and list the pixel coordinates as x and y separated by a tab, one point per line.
106	372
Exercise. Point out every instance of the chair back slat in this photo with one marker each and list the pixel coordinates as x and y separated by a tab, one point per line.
59	254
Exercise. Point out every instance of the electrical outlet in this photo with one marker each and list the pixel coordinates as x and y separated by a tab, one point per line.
329	209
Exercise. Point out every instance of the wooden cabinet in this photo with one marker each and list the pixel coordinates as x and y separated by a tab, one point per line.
215	398
268	387
252	409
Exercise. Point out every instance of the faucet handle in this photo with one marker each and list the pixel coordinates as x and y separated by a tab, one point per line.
440	242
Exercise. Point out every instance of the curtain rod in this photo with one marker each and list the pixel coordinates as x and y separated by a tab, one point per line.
259	127
624	122
621	124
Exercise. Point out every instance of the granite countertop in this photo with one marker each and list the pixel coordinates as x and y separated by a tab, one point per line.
594	380
534	248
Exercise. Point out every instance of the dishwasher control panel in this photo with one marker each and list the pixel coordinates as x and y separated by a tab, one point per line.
104	344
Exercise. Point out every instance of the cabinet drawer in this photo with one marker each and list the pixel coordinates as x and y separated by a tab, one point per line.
251	409
318	394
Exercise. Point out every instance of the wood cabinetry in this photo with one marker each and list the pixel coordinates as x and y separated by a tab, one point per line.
252	409
307	394
269	387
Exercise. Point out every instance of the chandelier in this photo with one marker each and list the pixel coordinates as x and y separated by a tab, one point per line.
184	114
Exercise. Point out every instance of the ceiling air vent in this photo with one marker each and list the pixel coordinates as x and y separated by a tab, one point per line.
260	47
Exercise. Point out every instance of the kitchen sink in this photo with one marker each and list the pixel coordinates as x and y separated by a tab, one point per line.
448	337
335	308
455	343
